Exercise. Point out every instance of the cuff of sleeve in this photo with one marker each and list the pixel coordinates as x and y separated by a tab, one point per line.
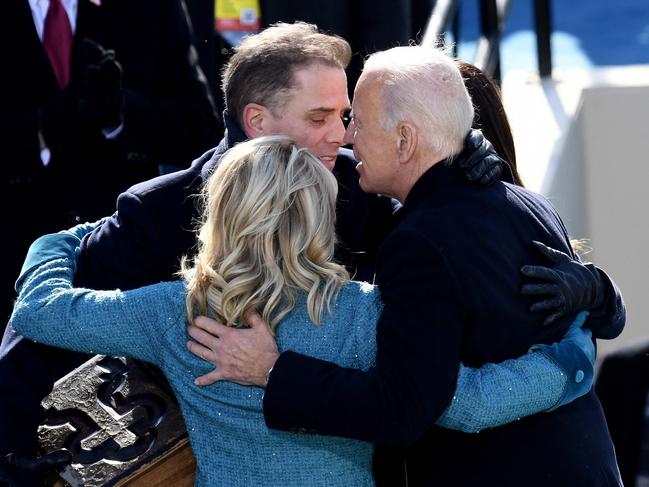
112	133
46	248
274	391
575	365
285	401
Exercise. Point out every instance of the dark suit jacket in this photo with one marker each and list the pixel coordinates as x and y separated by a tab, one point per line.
450	283
168	118
622	386
155	225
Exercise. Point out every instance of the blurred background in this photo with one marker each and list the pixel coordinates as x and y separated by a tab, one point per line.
579	132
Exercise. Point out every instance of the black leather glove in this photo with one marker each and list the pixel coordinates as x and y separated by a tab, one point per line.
22	471
569	286
100	89
94	101
480	161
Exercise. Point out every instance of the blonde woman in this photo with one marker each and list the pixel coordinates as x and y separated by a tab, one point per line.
266	242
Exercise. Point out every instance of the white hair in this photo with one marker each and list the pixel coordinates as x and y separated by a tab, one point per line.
423	85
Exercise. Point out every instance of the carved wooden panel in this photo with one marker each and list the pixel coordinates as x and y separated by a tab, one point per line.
121	424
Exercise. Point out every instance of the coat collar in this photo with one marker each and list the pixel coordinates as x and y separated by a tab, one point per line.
445	176
442	175
233	133
232	136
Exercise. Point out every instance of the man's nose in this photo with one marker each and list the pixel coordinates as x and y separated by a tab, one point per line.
349	134
337	132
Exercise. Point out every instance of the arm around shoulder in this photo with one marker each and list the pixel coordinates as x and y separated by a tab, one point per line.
413	381
497	394
547	377
50	310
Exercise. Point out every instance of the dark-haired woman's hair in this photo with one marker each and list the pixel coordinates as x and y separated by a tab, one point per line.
490	114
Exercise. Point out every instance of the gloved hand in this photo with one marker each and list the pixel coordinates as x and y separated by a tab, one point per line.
569	286
100	89
481	163
94	101
21	471
575	355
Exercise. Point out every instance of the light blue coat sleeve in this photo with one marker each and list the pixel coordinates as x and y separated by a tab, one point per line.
485	397
548	377
496	394
50	310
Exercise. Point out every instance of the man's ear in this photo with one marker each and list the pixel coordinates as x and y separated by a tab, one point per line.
255	120
407	138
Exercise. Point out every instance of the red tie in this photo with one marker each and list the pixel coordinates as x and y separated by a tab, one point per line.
57	40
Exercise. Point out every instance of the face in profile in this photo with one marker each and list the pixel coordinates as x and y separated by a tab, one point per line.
313	115
374	146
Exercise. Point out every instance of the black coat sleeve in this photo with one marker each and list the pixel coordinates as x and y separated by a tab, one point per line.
607	321
142	243
418	341
116	255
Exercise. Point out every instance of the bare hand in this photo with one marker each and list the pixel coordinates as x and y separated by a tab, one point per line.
240	355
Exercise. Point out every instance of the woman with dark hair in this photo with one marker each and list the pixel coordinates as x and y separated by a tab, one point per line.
490	115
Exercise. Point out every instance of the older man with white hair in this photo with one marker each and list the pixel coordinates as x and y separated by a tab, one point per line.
450	285
453	258
411	111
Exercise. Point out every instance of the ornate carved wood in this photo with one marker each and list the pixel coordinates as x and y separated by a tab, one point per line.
121	424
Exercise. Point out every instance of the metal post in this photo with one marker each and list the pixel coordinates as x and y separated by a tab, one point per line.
455	28
490	29
542	20
443	12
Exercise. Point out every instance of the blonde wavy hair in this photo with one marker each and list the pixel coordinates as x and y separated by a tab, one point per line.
267	232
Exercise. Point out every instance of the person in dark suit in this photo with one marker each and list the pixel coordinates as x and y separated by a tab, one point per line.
450	283
623	387
122	96
143	241
154	224
490	116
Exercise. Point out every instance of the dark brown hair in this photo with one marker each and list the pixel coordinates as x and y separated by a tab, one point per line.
490	114
262	68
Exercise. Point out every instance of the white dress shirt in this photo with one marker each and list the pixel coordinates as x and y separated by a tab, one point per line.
39	12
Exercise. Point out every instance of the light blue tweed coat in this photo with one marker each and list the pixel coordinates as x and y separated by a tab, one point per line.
225	421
